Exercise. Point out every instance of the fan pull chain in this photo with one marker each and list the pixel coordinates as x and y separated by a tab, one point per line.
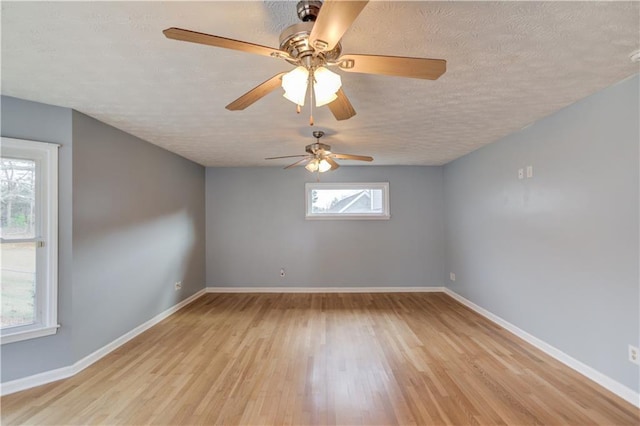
310	85
297	109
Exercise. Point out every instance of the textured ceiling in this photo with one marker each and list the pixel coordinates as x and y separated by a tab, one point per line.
509	64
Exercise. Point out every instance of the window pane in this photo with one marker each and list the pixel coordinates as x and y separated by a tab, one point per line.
17	182
346	201
18	276
28	248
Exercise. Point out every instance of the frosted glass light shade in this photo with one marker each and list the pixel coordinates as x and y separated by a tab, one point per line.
312	166
323	99
316	165
325	86
295	84
323	166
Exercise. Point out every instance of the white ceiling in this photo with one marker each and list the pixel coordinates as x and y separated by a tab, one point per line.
509	64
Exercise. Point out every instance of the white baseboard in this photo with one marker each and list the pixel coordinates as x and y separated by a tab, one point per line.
325	289
36	380
606	382
65	372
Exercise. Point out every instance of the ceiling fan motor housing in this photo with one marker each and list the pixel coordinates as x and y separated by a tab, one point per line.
316	148
295	39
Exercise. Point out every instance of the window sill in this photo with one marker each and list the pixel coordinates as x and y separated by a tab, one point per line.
347	217
17	336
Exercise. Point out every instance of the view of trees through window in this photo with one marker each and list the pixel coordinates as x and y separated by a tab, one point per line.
17	224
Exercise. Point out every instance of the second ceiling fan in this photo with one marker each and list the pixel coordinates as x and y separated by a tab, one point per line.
319	157
312	46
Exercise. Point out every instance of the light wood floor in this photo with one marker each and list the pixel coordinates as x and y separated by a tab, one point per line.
323	359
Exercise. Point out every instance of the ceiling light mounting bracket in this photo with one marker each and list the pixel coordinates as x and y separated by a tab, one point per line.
308	10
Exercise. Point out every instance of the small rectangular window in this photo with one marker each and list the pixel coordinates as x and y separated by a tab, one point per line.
347	200
28	237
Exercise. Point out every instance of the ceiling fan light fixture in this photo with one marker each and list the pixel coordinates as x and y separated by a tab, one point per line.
322	99
317	165
325	86
295	84
324	166
312	166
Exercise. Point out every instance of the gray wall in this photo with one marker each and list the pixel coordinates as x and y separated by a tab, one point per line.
30	120
556	255
138	227
256	225
132	223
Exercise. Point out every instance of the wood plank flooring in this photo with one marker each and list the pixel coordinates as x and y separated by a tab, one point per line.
257	359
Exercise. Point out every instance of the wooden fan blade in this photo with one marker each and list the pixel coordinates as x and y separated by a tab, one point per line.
286	156
334	165
341	108
334	19
227	43
298	163
400	66
258	92
352	157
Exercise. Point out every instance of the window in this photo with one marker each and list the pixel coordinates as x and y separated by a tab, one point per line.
347	200
28	237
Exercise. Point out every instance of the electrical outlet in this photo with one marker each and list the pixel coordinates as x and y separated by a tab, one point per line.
529	172
452	276
282	272
178	285
634	355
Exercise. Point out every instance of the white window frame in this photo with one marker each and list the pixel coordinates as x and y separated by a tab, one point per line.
46	157
384	215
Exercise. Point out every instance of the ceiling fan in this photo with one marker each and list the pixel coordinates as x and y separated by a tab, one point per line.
320	158
312	46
